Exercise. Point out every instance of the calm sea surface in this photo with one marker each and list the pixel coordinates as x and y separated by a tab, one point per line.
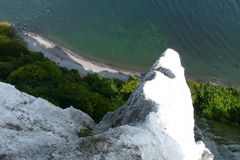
133	33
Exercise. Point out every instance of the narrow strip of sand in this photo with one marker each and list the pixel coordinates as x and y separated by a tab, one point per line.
66	58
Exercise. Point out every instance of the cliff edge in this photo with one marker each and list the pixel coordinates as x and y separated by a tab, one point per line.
155	124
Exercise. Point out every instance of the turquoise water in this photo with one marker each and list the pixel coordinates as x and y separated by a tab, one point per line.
133	33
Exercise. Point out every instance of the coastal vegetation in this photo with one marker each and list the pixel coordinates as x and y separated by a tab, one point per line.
34	74
216	102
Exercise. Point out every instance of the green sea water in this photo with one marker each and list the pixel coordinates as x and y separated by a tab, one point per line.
133	33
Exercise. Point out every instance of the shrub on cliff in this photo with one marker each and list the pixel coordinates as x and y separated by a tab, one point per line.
6	29
215	102
130	86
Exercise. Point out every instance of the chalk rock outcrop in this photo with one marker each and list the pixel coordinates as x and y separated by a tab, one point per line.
155	124
32	128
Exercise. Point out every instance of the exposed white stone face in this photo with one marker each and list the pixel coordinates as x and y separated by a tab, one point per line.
32	128
160	114
155	124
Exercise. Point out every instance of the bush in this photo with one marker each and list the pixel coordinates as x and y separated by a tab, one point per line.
130	86
7	29
215	102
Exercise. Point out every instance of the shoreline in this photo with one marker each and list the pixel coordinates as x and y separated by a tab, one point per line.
212	80
65	57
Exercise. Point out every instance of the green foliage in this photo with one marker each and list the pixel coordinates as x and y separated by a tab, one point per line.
112	89
130	86
109	87
5	69
6	29
84	132
215	102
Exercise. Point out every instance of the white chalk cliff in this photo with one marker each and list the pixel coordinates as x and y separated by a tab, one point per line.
155	124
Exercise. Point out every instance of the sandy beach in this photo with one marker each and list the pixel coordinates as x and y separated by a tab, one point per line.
66	58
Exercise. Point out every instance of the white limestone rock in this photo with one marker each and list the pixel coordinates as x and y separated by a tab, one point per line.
159	115
32	128
155	124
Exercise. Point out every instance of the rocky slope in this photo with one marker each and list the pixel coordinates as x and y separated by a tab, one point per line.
155	124
32	128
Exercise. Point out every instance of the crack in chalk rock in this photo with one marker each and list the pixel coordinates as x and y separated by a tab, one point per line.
166	72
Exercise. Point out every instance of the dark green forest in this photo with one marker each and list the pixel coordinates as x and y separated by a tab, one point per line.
34	74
